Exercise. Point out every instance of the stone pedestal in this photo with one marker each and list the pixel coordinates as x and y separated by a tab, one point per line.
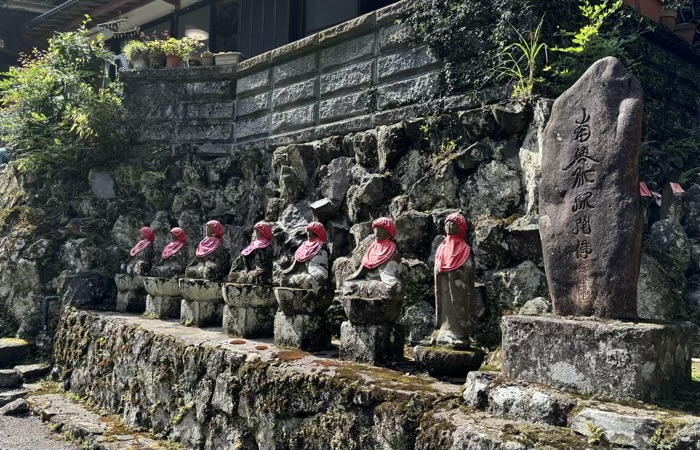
131	295
371	344
620	360
443	361
163	299
301	321
202	303
249	311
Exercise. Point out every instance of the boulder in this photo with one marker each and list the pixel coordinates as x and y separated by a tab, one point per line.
33	371
15	408
12	351
125	231
418	320
10	378
494	190
468	159
414	232
518	285
490	248
365	196
536	307
691	211
391	145
91	290
437	188
629	430
102	184
477	124
531	169
365	147
335	185
655	299
523	239
668	244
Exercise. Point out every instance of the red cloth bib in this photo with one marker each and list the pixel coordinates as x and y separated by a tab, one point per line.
175	246
454	250
378	253
149	236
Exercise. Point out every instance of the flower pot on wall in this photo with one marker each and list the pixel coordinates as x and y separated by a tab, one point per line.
648	8
140	62
686	31
228	58
208	60
173	61
668	18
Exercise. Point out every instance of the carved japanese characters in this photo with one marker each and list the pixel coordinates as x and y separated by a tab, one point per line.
590	219
212	259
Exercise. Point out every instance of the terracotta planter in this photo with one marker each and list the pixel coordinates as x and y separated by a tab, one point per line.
156	60
668	18
173	61
140	62
686	31
648	8
207	60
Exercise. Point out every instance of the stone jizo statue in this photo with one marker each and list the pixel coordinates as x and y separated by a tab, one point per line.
457	308
141	255
378	276
254	265
212	259
310	267
174	257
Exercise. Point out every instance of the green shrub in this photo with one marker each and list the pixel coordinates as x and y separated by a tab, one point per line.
58	111
135	49
180	47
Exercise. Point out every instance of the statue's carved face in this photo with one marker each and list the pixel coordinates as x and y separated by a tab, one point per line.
381	233
311	234
208	231
258	235
451	227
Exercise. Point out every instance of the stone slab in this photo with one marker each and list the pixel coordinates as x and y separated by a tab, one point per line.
249	321
12	395
371	344
307	332
629	430
620	360
12	351
440	361
201	314
33	371
163	307
10	378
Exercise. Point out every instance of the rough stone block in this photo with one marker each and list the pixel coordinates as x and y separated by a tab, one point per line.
102	184
295	69
12	351
253	104
307	332
163	307
440	361
33	371
12	395
343	107
347	28
10	378
347	52
249	321
131	296
201	314
294	48
214	110
353	77
254	82
395	36
620	429
615	359
223	88
307	135
344	127
296	93
15	408
253	127
371	344
408	91
294	119
404	62
204	132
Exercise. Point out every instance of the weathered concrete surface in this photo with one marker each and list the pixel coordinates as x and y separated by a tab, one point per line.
207	391
615	359
30	433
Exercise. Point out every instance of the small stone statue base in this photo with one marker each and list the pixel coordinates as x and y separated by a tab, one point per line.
163	299
448	362
301	321
249	311
371	344
202	303
131	295
302	331
621	360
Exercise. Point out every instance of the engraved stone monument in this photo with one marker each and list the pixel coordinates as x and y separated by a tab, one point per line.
591	229
131	296
304	294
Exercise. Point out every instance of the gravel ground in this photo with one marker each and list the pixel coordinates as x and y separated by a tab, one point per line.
29	433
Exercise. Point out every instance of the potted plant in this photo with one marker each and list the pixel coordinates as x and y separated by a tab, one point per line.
136	52
648	8
687	25
194	60
156	56
668	18
228	58
207	58
176	50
